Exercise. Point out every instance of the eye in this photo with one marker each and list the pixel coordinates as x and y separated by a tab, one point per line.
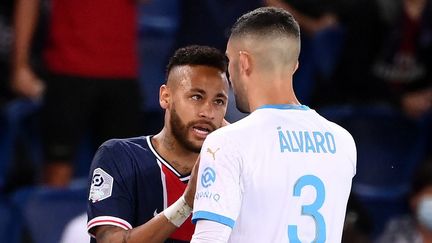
196	97
220	102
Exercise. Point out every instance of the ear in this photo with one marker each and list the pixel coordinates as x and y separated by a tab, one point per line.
164	96
245	63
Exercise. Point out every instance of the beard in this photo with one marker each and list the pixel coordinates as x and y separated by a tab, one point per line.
180	131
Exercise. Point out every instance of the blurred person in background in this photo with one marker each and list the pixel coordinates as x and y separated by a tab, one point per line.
313	15
322	25
416	227
18	115
386	58
208	22
88	82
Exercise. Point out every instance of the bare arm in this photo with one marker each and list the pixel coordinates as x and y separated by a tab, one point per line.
25	21
158	229
24	81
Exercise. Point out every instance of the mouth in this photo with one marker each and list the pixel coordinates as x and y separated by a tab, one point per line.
202	130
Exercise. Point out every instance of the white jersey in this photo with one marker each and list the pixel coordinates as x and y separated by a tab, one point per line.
282	174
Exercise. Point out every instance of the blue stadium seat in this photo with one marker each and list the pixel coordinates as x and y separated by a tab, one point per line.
5	148
16	121
159	17
8	223
389	147
44	212
84	157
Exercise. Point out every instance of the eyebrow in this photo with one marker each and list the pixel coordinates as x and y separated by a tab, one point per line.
201	91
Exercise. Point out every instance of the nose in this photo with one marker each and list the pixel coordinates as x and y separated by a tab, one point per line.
207	111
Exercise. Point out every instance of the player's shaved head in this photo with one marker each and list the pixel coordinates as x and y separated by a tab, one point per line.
193	56
271	34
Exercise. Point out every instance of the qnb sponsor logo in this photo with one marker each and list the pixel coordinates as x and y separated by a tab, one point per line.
208	195
208	177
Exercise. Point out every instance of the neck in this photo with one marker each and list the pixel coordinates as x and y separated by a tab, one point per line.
272	92
176	155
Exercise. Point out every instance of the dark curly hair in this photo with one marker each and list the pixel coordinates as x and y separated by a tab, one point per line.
197	55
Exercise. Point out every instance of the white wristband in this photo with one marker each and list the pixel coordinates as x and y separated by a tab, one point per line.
178	212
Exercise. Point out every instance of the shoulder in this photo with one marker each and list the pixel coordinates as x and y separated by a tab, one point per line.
242	125
126	143
124	148
233	137
124	155
229	133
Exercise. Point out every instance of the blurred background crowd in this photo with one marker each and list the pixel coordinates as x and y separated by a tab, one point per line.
76	73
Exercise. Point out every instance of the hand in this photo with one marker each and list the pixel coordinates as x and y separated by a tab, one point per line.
25	83
189	193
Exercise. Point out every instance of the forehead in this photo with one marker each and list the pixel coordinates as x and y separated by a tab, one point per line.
209	79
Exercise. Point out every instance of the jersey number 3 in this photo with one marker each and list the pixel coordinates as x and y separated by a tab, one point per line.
311	210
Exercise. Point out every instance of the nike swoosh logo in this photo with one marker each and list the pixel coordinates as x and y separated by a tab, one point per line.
155	212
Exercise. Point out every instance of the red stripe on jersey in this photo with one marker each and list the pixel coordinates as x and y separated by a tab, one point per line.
107	221
175	189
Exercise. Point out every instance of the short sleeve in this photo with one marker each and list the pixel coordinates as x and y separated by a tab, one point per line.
111	183
218	196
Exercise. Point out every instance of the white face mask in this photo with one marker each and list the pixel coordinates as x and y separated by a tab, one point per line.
424	212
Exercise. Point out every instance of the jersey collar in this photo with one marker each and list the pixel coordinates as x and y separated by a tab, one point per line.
164	162
285	107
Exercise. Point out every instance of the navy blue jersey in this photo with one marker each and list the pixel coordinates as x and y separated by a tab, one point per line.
130	183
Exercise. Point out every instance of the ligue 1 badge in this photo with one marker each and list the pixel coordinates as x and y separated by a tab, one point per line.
101	187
